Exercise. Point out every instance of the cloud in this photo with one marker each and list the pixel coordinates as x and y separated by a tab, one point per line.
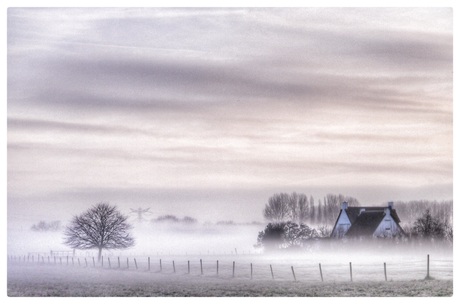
228	98
294	64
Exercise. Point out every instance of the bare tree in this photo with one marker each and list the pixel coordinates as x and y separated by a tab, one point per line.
304	209
101	227
312	213
428	226
293	204
277	209
319	216
324	231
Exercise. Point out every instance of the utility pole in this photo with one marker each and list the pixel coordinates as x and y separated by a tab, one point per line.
140	212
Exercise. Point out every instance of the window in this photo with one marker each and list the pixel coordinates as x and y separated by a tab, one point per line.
387	224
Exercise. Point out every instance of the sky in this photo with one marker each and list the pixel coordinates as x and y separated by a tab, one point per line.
208	112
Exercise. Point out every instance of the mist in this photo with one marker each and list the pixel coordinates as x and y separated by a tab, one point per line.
199	119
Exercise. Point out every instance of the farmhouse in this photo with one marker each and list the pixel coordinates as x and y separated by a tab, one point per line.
361	222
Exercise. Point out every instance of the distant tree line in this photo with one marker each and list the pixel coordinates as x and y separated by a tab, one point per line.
172	219
410	211
47	226
298	208
188	220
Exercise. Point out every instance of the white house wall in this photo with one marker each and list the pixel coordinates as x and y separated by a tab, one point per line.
387	222
342	226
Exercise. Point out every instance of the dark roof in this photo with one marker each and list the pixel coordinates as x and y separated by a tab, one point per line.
366	223
335	225
353	212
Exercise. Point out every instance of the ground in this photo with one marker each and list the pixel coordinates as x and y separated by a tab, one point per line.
26	280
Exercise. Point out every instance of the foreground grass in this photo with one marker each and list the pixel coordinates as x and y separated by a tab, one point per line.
46	281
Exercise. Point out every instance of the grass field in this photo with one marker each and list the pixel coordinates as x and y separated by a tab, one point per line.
32	280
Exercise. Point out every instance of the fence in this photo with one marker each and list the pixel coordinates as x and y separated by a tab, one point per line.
252	268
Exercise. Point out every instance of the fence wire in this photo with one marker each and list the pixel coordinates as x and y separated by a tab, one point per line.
252	267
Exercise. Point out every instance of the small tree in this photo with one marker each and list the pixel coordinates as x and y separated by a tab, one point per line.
101	227
298	235
449	232
428	226
272	237
324	231
284	235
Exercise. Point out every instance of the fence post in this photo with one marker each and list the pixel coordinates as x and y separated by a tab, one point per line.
217	268
174	267
94	262
135	263
271	270
32	259
351	274
127	263
201	266
148	260
188	267
321	272
78	262
60	260
428	265
54	260
73	262
43	260
428	268
233	273
385	270
110	265
161	266
293	273
86	263
119	266
67	260
102	261
251	271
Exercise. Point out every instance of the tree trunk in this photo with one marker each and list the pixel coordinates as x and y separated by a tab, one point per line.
99	254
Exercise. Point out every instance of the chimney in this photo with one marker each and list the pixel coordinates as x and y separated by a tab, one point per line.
390	205
344	205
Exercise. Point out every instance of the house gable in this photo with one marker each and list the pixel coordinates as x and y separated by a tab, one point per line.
342	223
388	227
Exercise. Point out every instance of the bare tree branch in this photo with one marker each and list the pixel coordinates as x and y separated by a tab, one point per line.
101	227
